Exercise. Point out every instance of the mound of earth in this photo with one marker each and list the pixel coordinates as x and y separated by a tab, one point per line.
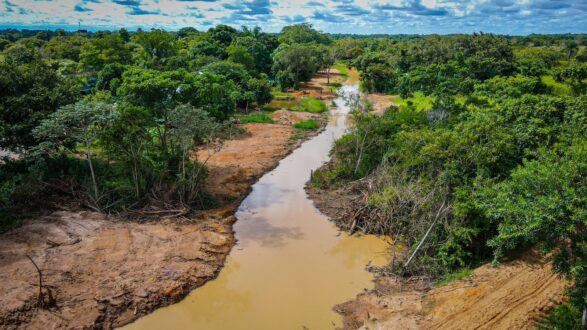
513	295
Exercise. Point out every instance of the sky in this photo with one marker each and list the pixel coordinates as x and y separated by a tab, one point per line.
334	16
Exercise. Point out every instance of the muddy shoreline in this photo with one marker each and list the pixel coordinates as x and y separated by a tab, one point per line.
513	295
106	272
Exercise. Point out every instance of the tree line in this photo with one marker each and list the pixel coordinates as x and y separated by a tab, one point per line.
113	117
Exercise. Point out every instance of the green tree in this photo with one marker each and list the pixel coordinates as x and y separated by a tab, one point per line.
189	127
240	55
296	63
74	124
104	49
302	34
28	94
158	45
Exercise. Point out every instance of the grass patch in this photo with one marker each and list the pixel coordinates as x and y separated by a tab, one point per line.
307	104
310	104
307	124
557	88
257	117
459	275
418	101
280	104
282	96
342	68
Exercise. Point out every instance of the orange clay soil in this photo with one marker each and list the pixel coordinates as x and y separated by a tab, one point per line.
105	272
318	87
511	296
381	103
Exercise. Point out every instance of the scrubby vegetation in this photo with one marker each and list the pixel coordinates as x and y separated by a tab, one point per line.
111	119
257	117
485	155
307	124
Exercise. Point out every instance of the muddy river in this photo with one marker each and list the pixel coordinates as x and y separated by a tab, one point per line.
291	265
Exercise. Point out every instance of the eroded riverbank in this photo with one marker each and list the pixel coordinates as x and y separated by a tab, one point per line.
290	265
105	272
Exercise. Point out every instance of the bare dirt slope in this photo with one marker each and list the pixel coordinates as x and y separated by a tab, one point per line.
511	296
380	103
243	160
105	273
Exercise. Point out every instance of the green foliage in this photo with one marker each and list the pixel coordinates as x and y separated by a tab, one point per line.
102	50
418	101
545	202
28	94
575	75
564	317
17	54
257	117
310	104
163	90
158	46
508	87
296	63
74	124
309	124
302	34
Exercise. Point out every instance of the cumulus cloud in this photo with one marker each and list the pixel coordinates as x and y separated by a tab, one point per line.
336	16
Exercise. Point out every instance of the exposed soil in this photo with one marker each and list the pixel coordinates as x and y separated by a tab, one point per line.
381	103
318	87
511	296
105	272
285	117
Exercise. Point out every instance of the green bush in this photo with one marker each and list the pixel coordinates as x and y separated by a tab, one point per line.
564	317
307	124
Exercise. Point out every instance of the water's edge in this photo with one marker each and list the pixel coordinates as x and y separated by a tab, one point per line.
290	264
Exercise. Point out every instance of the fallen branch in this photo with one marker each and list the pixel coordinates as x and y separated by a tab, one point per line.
441	210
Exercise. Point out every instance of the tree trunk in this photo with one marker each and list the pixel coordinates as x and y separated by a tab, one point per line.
328	75
89	159
585	318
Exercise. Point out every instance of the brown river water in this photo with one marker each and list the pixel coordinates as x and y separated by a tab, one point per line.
291	265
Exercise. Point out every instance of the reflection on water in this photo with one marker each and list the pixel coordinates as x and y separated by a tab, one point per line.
290	265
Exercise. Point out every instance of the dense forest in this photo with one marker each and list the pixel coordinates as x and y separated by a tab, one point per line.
112	117
484	155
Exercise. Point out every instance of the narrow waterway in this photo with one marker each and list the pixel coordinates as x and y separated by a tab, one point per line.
291	265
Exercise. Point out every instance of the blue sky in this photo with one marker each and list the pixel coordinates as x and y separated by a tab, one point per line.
335	16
